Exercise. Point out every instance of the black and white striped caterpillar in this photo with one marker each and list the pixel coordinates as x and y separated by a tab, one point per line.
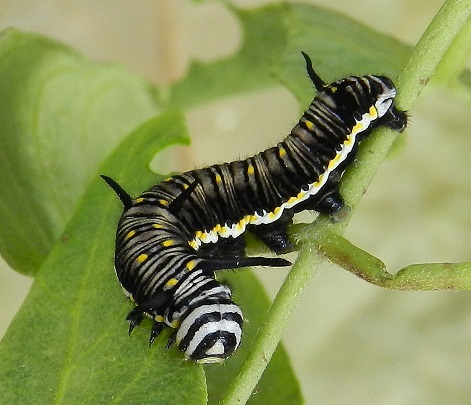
172	238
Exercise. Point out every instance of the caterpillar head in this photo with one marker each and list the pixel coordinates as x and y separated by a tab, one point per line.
388	114
210	332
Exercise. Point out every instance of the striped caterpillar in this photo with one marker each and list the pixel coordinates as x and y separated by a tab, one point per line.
172	239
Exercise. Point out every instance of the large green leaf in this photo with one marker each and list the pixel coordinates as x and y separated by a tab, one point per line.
68	344
60	115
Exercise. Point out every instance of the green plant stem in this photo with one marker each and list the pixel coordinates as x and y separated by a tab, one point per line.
272	329
432	49
455	59
415	277
427	54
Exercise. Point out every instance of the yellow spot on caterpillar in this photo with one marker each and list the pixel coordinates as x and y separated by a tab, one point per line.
190	265
250	170
159	318
358	127
167	243
291	200
277	210
348	141
167	179
193	244
309	125
224	230
281	152
130	234
171	282
163	202
218	178
334	161
199	234
271	216
373	112
139	200
217	228
175	324
157	226
142	258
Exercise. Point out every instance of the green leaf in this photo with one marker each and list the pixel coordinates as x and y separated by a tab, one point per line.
278	384
69	342
60	115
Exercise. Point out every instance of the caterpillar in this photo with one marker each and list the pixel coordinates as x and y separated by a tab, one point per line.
172	239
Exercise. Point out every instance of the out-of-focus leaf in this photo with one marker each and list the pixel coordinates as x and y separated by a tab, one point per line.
60	115
274	37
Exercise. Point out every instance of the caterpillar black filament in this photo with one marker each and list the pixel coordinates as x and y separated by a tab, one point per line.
171	239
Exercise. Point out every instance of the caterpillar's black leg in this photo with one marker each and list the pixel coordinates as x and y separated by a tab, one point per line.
274	235
171	340
135	317
151	307
332	204
157	327
276	241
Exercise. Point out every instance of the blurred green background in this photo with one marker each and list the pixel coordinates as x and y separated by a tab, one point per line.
349	342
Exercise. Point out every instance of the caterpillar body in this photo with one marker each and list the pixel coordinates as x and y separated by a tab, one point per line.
172	238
